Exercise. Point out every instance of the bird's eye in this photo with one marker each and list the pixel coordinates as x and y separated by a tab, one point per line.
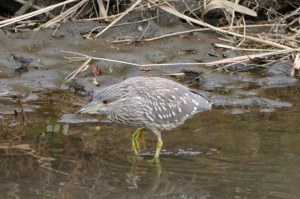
105	101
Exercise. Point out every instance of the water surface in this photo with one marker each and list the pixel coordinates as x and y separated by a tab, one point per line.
213	155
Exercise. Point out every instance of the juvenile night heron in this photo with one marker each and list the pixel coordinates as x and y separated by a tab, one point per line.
147	102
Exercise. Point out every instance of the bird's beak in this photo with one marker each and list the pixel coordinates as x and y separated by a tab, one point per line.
90	108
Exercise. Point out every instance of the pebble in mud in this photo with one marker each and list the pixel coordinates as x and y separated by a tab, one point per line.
157	57
213	81
279	68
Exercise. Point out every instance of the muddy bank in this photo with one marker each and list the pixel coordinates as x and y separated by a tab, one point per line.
36	61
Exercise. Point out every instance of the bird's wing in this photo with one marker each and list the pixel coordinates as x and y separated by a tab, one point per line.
168	103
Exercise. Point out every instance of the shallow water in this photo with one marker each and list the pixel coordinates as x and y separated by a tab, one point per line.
213	155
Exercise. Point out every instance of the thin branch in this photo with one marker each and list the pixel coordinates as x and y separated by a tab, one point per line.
24	2
122	24
25	7
296	65
239	59
120	17
243	49
32	14
191	31
255	39
63	15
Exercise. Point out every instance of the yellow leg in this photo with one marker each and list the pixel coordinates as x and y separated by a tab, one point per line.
135	143
159	144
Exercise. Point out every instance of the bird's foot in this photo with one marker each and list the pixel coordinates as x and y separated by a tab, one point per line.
153	160
135	143
157	163
135	147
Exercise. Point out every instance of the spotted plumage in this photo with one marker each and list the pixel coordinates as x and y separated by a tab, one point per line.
149	102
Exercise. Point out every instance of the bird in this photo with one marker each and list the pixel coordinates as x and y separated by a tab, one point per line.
153	103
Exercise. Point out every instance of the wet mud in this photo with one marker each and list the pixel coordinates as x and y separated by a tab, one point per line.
247	146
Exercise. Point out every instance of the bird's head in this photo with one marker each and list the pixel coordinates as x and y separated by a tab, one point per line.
102	98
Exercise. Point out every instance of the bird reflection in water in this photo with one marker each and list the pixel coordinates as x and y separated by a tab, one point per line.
138	167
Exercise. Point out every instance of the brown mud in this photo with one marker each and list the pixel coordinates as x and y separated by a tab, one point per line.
246	147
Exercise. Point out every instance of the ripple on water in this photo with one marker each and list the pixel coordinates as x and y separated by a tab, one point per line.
213	155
